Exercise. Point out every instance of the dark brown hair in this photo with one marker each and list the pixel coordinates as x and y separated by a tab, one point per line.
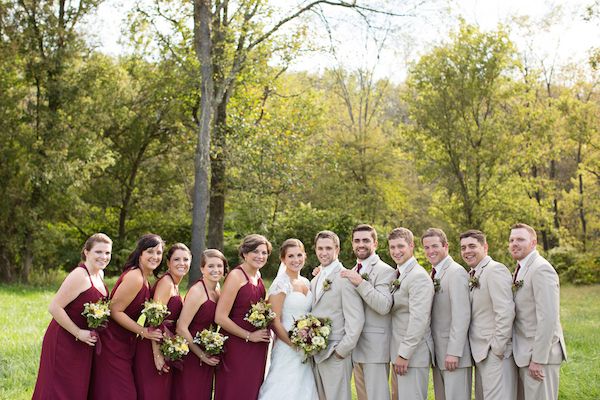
251	242
435	232
328	235
208	253
145	242
365	228
288	243
475	234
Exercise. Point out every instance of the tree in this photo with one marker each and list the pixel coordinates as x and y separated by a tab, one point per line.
465	137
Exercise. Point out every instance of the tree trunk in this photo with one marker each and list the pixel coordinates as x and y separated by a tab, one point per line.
218	184
203	47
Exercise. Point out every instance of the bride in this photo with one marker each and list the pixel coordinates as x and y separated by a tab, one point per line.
290	297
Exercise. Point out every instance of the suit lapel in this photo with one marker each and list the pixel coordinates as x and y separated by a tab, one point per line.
330	276
445	268
529	263
409	268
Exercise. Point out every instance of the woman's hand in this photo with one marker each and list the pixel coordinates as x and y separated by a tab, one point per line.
152	334
86	337
209	360
160	363
261	335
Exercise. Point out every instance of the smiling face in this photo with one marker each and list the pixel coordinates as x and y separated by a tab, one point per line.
326	250
98	256
294	258
521	243
213	269
400	250
363	244
179	263
257	258
434	249
151	258
472	252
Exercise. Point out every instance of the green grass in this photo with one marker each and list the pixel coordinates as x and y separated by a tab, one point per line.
24	317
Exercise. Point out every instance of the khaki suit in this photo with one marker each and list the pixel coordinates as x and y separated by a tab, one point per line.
371	356
537	333
411	334
450	318
490	333
342	304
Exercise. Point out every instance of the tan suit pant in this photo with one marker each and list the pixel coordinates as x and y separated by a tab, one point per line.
544	390
413	385
371	381
333	377
452	385
495	379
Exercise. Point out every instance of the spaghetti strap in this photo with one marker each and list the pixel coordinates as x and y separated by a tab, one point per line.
244	272
205	289
88	274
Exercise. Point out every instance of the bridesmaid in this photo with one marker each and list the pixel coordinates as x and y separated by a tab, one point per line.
112	376
67	349
195	381
152	376
243	363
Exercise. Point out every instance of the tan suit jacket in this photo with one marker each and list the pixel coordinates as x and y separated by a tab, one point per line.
451	315
343	305
537	333
411	316
492	311
374	341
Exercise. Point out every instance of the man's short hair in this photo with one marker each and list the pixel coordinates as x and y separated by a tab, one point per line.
526	227
402	233
365	228
475	234
328	235
435	232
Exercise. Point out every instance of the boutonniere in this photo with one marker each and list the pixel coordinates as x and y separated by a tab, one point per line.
436	285
326	284
474	282
365	276
394	285
517	285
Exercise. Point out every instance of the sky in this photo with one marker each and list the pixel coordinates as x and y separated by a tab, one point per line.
568	39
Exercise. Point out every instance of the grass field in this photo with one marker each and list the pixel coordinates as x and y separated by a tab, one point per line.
24	318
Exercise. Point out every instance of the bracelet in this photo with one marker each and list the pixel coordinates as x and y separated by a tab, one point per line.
247	336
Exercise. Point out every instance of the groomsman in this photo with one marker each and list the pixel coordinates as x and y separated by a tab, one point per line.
335	298
450	319
538	343
371	278
492	315
411	350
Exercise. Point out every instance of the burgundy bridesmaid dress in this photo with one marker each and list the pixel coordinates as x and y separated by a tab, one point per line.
195	380
66	364
242	367
112	376
149	383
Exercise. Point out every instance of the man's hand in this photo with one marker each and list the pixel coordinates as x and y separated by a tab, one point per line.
536	371
451	362
401	365
352	276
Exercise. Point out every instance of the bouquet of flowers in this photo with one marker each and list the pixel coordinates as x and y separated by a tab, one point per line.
210	341
310	334
154	313
173	348
97	313
260	315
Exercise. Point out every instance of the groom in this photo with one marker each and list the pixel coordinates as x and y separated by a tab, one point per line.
335	298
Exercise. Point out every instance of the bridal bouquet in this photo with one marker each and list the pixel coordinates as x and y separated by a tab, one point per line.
97	313
174	347
154	313
310	334
210	341
260	315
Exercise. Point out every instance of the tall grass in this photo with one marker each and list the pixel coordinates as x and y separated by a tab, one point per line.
24	318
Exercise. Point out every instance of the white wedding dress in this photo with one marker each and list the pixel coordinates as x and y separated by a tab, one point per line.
288	378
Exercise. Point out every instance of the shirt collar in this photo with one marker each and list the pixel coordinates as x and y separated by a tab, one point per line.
483	262
528	257
368	261
439	266
402	268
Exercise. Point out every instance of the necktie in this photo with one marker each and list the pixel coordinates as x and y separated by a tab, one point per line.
472	272
516	272
358	267
432	273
